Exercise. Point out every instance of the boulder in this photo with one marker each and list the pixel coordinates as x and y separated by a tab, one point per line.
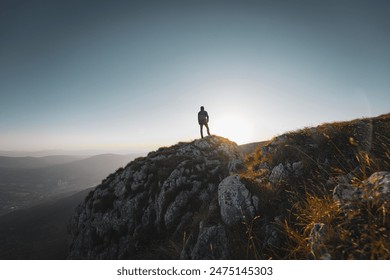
235	201
278	174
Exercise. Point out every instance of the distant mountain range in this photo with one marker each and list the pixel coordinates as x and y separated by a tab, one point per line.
35	162
75	153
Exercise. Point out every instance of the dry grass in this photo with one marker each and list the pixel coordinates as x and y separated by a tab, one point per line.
358	149
359	233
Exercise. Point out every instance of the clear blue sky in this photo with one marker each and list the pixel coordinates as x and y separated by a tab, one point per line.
131	75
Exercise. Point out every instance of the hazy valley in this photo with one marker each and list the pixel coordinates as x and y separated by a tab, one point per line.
27	181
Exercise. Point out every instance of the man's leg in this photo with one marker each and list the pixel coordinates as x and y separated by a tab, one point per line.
208	130
201	130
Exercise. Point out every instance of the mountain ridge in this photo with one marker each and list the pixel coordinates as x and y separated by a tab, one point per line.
35	162
206	199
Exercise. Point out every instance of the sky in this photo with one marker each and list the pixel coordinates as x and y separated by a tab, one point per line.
131	75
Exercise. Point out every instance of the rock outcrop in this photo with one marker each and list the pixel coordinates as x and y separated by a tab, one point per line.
375	189
173	197
318	193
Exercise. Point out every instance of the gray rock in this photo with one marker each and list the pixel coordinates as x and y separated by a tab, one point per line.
235	201
271	236
345	194
175	209
376	188
297	168
263	165
379	186
273	145
283	171
342	179
235	165
256	202
316	240
212	243
278	174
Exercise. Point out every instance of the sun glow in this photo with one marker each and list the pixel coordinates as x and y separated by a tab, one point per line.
234	127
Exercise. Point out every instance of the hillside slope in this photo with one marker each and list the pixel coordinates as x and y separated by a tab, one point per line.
24	182
318	193
146	209
327	191
39	232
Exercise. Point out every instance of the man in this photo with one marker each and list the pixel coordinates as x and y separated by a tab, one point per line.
203	119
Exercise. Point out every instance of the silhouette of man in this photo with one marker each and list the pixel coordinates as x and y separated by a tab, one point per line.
203	119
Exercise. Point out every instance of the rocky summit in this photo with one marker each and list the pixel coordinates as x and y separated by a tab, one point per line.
174	203
315	193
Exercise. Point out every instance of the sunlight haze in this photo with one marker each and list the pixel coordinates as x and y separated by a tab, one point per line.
132	75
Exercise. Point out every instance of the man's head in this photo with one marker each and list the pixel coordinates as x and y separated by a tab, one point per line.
201	108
